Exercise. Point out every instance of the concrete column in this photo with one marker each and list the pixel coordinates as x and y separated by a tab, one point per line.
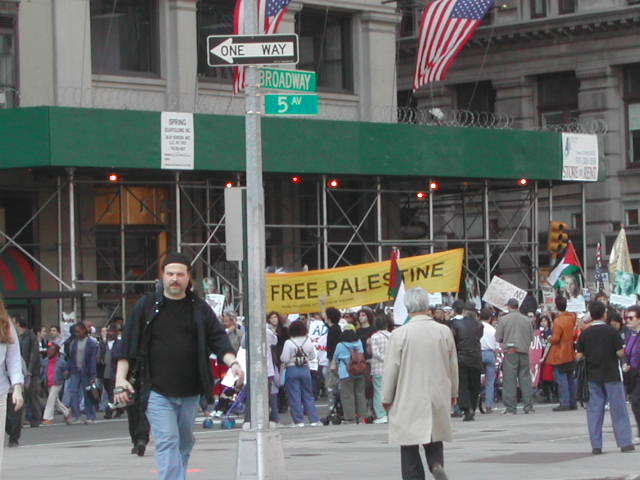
516	97
180	55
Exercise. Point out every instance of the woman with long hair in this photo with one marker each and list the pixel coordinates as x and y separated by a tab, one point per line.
10	367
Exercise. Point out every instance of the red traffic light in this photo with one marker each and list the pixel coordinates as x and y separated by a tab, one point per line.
434	186
421	195
296	179
114	177
333	183
523	182
229	184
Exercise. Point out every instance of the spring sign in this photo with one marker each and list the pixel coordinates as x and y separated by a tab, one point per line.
363	284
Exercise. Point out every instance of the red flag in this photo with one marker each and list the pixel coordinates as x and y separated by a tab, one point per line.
395	275
270	13
447	25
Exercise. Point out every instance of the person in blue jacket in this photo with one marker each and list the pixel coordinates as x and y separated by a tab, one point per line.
351	388
81	364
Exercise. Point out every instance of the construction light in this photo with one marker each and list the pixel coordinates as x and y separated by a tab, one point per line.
333	183
114	177
296	179
523	182
421	195
229	184
433	186
558	238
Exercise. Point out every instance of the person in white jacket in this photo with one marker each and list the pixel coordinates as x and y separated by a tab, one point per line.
11	369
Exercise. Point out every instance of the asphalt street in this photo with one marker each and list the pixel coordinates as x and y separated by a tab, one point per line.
545	445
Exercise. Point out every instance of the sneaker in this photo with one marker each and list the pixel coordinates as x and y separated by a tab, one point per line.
528	410
628	448
488	410
439	473
75	421
636	441
384	419
596	451
457	414
13	443
88	421
297	425
315	424
68	419
47	422
506	411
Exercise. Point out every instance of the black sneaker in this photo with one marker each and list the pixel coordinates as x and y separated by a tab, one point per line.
628	448
597	451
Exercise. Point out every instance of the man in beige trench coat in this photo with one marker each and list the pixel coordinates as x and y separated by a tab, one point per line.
419	386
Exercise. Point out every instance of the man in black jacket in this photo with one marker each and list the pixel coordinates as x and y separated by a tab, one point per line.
467	332
30	350
169	336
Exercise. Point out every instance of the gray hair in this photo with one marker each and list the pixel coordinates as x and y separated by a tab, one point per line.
416	300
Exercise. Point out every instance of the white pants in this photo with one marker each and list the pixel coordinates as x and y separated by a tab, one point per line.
3	419
54	403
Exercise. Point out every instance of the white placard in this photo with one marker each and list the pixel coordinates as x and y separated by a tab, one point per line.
500	291
176	140
580	157
624	301
435	299
216	302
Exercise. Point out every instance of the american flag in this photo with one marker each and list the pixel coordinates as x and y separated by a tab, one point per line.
446	27
270	13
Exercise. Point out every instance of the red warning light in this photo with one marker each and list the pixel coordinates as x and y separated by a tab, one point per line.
333	183
421	195
114	177
296	179
433	186
523	182
229	185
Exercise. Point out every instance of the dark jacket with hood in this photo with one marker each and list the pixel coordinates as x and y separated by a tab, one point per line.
210	335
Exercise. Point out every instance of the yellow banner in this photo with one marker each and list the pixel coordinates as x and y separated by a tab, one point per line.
363	284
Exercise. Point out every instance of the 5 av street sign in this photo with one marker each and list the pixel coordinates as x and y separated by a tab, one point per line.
290	104
228	50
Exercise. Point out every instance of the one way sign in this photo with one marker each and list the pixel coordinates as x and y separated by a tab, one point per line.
227	50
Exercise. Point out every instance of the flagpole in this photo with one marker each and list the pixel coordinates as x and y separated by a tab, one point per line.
260	455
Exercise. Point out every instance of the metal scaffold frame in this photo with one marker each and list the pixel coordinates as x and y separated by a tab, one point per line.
495	222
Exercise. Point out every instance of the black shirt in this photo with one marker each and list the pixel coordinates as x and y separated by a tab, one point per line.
599	344
333	338
173	350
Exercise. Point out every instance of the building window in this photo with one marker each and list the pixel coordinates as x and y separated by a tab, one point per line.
124	37
558	99
410	22
631	217
566	6
632	101
326	48
8	63
538	8
576	221
214	17
476	97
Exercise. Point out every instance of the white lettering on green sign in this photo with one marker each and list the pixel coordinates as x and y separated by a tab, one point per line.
287	80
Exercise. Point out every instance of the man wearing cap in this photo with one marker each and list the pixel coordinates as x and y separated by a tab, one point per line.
167	342
467	332
515	333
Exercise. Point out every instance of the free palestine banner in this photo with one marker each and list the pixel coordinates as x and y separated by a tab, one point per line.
363	284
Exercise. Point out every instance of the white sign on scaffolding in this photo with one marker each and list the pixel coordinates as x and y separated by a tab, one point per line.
580	157
177	139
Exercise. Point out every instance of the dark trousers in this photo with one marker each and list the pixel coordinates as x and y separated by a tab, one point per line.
13	423
469	388
411	463
32	401
138	425
634	397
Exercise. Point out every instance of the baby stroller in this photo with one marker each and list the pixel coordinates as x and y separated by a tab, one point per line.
231	402
335	415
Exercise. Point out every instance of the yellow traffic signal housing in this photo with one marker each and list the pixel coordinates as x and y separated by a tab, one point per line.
558	237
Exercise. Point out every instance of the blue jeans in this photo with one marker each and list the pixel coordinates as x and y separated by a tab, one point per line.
378	409
599	394
566	387
77	383
489	362
300	394
171	420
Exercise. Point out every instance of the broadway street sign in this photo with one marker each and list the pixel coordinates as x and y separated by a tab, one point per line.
296	80
227	50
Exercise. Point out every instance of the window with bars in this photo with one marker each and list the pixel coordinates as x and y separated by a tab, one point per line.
538	8
476	97
326	47
8	63
213	17
558	99
632	107
124	37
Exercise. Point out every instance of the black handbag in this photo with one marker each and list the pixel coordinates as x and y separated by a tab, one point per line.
94	393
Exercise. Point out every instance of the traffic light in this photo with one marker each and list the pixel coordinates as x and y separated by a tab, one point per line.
558	237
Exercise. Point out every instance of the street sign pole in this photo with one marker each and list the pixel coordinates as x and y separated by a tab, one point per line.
260	454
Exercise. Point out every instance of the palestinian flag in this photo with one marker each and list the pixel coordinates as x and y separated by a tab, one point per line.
396	290
569	265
